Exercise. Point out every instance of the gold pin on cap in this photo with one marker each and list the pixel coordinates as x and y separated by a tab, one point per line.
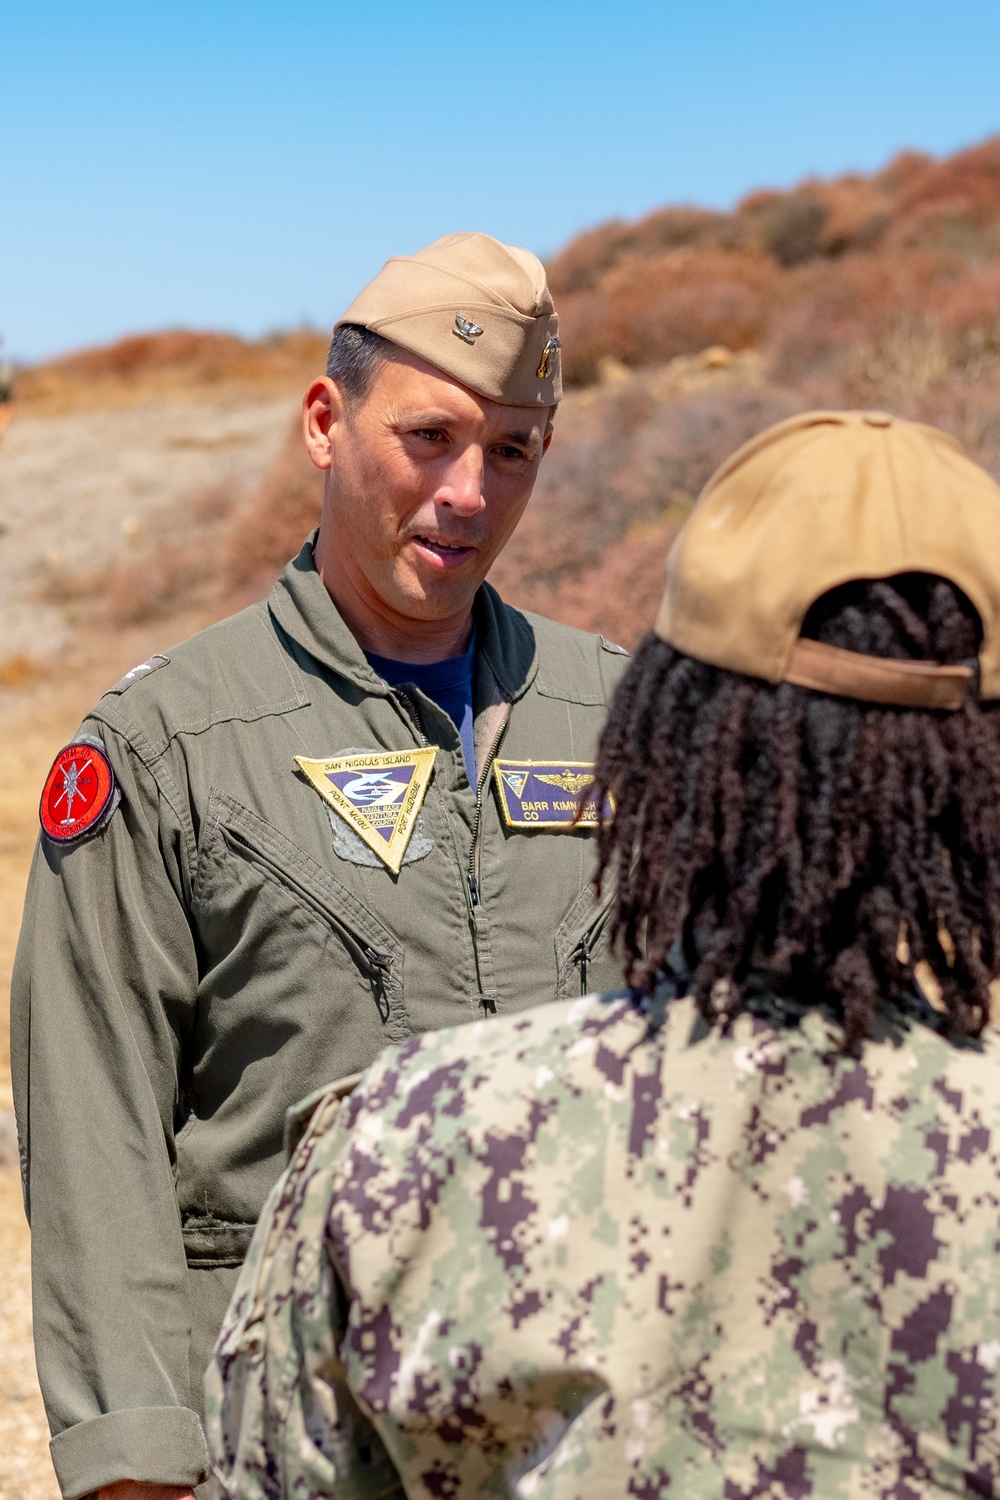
550	358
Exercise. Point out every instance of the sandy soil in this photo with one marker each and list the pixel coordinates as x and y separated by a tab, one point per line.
25	1473
73	488
70	490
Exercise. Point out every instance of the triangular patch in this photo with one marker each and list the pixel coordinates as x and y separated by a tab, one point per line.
378	795
516	780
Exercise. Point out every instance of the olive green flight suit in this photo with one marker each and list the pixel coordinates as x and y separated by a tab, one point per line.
227	944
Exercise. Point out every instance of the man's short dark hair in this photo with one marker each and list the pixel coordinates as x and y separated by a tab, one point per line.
355	356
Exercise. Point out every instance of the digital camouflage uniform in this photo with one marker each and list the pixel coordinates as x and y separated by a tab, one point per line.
227	943
578	1260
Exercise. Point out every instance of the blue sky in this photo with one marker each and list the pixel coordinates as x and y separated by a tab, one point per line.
248	166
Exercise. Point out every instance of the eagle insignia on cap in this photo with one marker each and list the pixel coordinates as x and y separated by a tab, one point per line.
465	330
550	357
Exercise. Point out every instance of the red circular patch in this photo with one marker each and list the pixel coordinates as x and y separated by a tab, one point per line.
77	792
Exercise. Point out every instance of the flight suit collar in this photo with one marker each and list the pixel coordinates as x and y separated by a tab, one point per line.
506	653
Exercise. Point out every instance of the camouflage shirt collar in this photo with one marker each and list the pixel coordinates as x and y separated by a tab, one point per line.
303	609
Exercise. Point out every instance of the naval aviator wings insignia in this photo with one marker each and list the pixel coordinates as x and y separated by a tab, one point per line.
546	794
378	795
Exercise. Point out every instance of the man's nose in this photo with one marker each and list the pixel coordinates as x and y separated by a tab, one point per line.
462	489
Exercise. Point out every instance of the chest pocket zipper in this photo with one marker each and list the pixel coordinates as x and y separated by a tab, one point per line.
376	964
587	944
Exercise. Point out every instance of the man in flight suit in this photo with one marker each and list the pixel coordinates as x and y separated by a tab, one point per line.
345	816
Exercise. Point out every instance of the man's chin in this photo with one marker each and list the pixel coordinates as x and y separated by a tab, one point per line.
427	603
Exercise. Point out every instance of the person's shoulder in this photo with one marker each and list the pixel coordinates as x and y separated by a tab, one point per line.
490	1070
235	669
578	665
960	1073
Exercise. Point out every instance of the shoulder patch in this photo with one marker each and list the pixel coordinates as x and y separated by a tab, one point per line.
613	646
142	670
80	792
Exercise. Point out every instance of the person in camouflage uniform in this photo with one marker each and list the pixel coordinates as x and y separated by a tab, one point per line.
733	1232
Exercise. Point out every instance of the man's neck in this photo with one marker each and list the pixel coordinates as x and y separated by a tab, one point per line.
420	642
379	631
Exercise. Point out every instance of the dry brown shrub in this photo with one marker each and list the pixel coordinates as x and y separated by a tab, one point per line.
168	366
269	527
617	484
21	671
802	274
219	550
647	311
580	266
172	566
831	305
966	186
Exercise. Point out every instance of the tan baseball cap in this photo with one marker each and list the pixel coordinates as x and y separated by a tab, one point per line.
479	310
818	501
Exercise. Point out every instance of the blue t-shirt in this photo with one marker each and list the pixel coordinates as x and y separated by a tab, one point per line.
448	683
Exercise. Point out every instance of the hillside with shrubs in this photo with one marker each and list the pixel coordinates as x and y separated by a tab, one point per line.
684	333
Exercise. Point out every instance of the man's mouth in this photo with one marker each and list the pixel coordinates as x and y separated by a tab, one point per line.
444	554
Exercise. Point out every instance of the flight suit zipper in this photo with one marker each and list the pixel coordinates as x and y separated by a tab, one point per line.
479	927
417	725
477	917
473	876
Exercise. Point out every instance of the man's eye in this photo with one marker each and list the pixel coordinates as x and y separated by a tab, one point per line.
429	434
507	450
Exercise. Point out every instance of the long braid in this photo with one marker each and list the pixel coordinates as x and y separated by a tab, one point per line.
841	842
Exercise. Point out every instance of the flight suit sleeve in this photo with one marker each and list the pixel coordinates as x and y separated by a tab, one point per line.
103	993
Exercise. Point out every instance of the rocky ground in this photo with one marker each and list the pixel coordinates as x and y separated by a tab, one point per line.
73	490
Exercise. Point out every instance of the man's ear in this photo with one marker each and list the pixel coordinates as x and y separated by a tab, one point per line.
322	409
547	438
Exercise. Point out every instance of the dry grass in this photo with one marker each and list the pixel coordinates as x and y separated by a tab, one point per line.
169	366
25	1470
20	671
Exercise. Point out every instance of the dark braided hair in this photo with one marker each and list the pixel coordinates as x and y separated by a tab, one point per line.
835	843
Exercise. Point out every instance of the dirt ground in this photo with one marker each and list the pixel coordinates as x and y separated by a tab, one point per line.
71	489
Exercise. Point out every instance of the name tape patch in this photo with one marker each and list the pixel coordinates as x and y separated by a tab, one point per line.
80	792
378	795
546	794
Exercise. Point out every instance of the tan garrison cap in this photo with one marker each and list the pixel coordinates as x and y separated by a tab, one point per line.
815	502
478	310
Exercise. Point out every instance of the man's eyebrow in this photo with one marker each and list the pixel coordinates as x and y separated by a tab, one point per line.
422	418
527	439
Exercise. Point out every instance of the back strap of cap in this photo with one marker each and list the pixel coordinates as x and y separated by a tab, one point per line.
874	679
